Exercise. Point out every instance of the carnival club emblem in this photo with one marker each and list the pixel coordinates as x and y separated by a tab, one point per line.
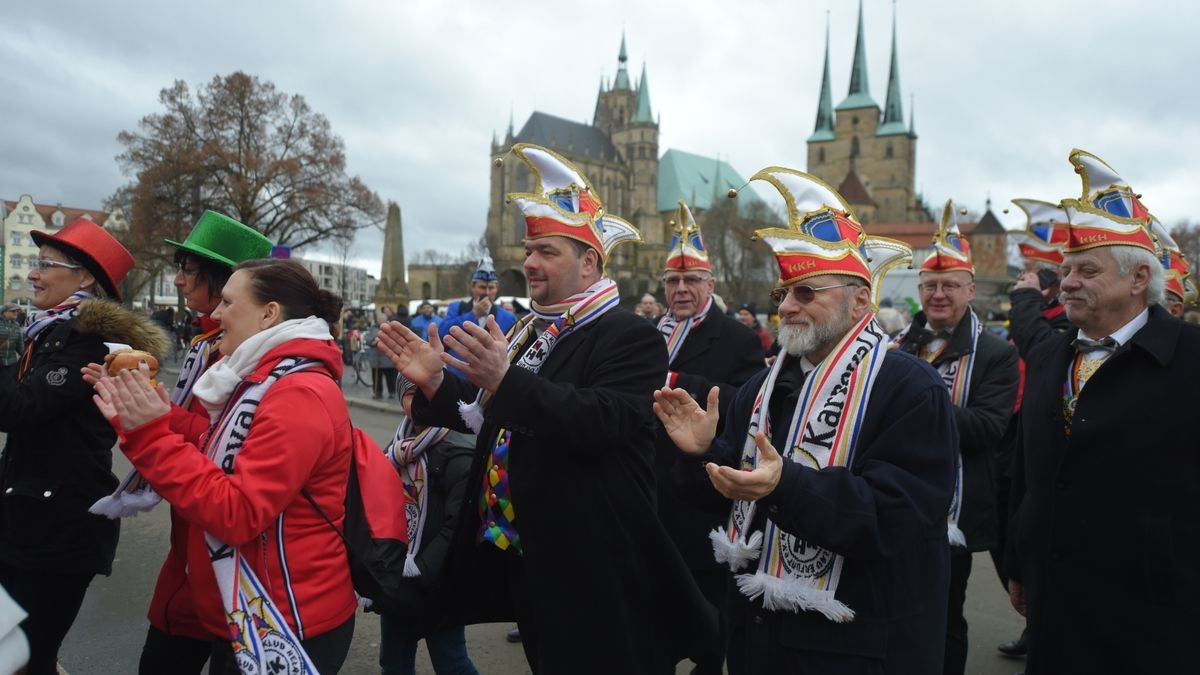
279	656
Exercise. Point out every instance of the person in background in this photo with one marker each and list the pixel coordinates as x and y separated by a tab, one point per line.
269	576
482	303
423	318
747	314
12	340
648	308
383	372
58	457
435	464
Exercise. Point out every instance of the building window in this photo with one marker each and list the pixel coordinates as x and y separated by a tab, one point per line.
854	121
57	219
821	155
14	283
15	260
32	259
25	218
854	147
426	290
888	153
14	238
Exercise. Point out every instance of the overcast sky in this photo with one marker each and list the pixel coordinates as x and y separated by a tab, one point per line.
1003	90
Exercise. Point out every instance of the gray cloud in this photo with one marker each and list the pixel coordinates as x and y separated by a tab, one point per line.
416	89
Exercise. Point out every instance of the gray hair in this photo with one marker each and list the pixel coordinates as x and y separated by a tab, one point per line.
1129	257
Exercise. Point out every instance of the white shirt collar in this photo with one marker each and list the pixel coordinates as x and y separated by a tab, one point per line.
1125	333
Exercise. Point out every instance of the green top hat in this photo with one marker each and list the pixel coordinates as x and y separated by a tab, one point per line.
224	240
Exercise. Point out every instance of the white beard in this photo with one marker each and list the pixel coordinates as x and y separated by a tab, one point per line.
804	337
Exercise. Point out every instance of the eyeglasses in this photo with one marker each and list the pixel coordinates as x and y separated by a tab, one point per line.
948	287
690	280
803	294
44	264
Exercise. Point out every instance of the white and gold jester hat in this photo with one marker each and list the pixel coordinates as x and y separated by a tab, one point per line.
1175	265
687	251
1045	231
564	204
950	250
823	236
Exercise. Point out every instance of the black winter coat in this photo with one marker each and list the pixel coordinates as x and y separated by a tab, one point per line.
719	352
1032	321
58	460
600	582
1105	534
449	466
981	424
886	513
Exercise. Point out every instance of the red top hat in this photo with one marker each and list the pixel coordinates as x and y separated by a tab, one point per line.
94	248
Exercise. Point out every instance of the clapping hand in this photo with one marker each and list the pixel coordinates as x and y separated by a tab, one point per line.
482	353
690	427
128	395
749	485
420	362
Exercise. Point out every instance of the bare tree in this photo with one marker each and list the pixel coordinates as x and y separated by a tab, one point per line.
741	265
240	147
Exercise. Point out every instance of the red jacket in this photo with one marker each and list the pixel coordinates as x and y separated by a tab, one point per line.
171	608
300	438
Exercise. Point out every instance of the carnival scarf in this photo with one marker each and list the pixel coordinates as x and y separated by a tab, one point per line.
41	320
495	504
407	454
262	641
675	332
134	495
956	373
793	574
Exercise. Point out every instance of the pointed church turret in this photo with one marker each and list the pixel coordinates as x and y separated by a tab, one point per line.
893	112
508	135
393	287
859	95
622	81
912	115
599	97
641	112
823	131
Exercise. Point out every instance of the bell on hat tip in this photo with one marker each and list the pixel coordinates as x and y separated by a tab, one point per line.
732	194
1005	211
754	237
962	211
499	161
1139	196
670	223
507	200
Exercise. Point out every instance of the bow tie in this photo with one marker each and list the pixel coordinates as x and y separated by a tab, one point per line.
1085	345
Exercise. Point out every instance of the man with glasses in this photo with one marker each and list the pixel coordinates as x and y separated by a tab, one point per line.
705	349
837	539
980	373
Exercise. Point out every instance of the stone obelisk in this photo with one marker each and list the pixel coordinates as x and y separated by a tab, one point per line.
393	286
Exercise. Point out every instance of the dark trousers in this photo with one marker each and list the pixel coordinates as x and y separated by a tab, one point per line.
398	648
327	651
955	662
381	376
165	653
52	602
713	585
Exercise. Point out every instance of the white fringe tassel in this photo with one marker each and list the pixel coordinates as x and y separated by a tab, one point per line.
956	536
125	504
793	595
736	554
472	414
410	566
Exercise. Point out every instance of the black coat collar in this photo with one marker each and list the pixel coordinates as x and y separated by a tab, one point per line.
961	341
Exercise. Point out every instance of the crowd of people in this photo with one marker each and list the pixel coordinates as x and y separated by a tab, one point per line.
632	489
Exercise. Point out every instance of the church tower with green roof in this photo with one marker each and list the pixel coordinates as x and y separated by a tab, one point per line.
859	144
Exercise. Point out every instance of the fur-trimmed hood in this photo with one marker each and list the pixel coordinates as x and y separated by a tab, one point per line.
114	323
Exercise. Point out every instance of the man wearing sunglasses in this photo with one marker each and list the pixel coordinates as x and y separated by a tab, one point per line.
837	539
705	349
981	375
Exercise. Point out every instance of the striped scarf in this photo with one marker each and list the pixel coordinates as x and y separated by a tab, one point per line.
407	454
65	310
956	373
134	495
495	503
675	332
262	641
793	574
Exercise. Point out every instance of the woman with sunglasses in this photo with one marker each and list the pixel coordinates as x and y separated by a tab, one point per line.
58	459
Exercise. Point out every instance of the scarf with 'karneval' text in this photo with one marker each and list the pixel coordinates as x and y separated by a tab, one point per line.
793	574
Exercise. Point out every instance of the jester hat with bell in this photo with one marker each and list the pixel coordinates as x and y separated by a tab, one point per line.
823	236
950	249
687	251
1045	231
564	204
1108	213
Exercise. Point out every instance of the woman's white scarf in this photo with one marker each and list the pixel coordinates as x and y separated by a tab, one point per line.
134	495
407	454
793	574
956	373
216	385
263	642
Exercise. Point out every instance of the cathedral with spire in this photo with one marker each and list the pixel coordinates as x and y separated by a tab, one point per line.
869	154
